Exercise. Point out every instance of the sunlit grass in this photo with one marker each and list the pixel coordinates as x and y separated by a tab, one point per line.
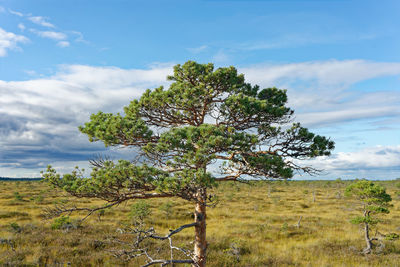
260	221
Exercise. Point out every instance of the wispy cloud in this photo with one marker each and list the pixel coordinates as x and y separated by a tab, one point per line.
79	37
63	44
303	39
16	13
10	41
330	72
221	57
41	21
2	9
50	34
62	37
197	50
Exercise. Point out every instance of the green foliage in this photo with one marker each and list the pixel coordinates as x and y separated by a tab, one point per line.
62	222
15	227
362	219
18	197
392	236
206	114
166	207
140	210
372	197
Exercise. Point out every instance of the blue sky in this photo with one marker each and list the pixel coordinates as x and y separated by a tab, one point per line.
62	60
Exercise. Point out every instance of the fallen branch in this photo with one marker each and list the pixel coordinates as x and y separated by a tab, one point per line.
136	250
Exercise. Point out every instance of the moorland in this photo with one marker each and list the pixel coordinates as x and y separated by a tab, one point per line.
272	223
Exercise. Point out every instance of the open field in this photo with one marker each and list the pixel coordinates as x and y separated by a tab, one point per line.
253	225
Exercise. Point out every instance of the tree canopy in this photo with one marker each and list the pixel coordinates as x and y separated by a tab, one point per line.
373	199
205	118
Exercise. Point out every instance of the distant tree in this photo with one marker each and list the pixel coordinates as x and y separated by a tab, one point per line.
373	200
205	118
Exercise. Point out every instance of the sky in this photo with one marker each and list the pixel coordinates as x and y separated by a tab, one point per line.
61	61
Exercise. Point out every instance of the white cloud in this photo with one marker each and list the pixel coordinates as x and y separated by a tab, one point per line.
321	92
41	21
63	44
2	10
19	14
39	117
21	26
50	34
9	41
331	72
368	162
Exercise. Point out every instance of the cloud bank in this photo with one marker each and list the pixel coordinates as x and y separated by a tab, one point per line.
39	117
365	163
321	93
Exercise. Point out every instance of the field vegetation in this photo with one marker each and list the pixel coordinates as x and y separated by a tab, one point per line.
279	223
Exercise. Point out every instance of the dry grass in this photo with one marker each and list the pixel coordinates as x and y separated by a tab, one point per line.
251	226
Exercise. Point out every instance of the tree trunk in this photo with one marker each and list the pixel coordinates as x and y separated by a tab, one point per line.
368	249
200	243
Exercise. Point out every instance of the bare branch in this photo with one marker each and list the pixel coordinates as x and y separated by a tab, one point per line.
138	251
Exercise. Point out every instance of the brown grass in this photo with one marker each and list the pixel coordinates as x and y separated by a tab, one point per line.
247	228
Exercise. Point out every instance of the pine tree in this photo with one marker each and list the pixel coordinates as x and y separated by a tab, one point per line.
373	200
206	119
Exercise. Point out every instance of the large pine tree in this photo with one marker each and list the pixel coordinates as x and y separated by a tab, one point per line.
209	126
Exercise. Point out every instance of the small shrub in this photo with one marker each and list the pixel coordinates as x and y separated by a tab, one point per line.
97	245
38	199
63	222
15	227
140	211
237	248
166	207
304	206
392	236
17	196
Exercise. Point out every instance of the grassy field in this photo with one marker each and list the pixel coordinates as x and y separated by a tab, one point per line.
253	225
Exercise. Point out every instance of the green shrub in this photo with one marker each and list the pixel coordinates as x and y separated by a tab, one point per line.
38	199
140	210
392	236
62	222
17	196
166	207
15	227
